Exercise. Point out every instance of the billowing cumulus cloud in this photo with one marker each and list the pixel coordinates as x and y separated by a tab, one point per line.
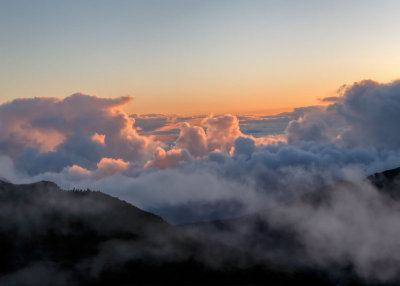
95	140
192	138
217	133
165	159
222	131
366	115
166	128
48	134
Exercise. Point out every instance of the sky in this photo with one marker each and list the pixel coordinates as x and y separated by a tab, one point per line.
196	57
202	110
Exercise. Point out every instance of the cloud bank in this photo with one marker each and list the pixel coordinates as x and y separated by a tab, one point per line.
215	166
82	139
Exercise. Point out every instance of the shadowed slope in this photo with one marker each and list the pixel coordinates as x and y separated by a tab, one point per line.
49	237
271	236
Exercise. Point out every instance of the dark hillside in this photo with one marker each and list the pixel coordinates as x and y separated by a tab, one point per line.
49	237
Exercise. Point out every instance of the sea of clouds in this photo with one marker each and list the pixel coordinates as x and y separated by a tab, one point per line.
219	166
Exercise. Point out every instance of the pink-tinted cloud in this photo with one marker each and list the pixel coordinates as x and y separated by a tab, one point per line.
216	133
109	166
52	133
98	137
105	168
164	159
193	139
222	131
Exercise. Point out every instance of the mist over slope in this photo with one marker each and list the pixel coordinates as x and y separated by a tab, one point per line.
54	237
348	228
343	234
215	169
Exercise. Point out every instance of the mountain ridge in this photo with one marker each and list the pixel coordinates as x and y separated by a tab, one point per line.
48	235
90	238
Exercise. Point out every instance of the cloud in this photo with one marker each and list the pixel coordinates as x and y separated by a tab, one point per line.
48	134
164	159
163	127
222	131
192	138
214	170
98	137
105	167
355	225
38	274
366	115
166	128
100	143
265	125
330	99
217	133
151	122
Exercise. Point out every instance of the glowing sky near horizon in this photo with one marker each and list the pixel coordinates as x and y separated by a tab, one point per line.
193	57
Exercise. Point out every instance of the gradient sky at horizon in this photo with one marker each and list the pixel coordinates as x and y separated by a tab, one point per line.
196	56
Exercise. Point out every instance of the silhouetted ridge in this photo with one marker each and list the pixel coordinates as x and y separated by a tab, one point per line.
388	182
90	238
256	235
